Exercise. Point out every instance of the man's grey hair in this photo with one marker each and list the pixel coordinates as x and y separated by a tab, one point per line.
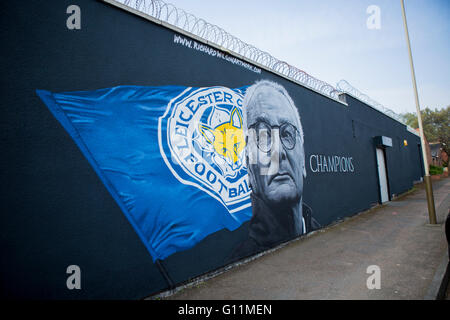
264	86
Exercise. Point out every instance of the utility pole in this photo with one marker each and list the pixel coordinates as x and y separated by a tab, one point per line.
428	186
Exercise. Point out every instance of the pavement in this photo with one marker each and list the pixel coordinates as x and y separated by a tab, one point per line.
332	263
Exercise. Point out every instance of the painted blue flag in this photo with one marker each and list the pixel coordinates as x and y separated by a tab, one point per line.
172	157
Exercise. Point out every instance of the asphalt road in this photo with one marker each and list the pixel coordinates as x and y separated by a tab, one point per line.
332	263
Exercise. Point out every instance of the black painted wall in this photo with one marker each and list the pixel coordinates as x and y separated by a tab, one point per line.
56	212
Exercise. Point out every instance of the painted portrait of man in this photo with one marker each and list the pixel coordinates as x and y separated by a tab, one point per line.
276	169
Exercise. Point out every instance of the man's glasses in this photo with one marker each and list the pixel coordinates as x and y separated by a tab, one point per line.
264	134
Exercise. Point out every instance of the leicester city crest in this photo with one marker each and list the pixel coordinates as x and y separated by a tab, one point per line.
201	139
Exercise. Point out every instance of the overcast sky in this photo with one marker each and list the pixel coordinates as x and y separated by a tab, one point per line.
330	40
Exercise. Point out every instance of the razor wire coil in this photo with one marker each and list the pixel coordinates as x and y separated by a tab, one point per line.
212	33
181	19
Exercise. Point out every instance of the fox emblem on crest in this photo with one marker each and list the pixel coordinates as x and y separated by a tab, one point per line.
227	140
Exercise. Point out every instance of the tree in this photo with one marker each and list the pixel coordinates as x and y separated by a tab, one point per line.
436	125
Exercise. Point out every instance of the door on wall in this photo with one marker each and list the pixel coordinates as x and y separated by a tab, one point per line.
382	176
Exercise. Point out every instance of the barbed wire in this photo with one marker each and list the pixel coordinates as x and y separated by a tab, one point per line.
346	87
179	18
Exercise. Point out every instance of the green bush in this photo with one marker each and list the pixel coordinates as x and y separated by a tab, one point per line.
436	170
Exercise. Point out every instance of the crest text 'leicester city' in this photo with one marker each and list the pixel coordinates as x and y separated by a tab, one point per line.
202	141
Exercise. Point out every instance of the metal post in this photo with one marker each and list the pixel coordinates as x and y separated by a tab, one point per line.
428	186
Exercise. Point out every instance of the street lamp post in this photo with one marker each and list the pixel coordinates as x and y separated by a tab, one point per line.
428	186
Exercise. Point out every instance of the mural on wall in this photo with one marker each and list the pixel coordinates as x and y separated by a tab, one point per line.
202	143
276	169
184	162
